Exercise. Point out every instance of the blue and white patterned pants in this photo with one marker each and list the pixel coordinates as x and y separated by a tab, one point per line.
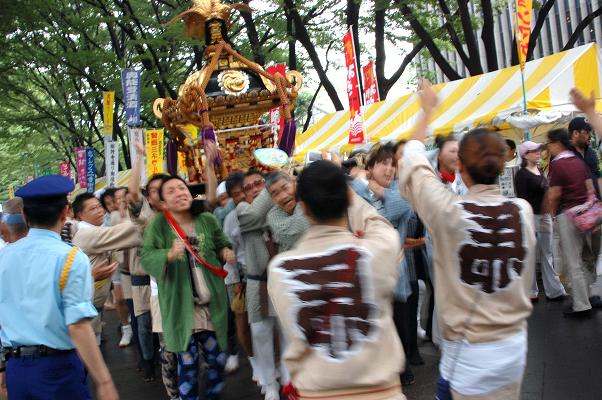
188	367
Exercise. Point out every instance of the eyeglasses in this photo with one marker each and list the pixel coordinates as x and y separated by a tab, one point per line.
255	184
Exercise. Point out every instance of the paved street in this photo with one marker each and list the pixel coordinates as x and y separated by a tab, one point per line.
563	363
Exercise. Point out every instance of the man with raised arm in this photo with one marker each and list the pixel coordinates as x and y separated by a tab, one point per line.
484	259
333	294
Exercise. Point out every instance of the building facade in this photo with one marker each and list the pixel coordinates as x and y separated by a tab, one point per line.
559	25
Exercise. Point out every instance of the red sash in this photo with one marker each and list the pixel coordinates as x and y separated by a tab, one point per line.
217	271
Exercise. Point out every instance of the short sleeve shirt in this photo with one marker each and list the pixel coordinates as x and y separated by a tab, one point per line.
33	311
570	174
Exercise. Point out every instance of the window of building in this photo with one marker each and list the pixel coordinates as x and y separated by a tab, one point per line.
569	23
579	18
549	36
558	37
502	40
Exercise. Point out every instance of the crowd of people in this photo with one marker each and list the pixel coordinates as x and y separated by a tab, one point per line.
326	278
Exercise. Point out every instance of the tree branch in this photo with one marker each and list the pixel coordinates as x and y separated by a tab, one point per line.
453	35
488	36
428	41
580	28
303	37
469	38
536	33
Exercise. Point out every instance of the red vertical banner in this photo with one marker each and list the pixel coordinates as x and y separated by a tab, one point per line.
371	94
276	119
356	131
65	169
80	162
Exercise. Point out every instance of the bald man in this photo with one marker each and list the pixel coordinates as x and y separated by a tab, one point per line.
12	225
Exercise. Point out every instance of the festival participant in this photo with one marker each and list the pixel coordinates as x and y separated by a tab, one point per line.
12	224
444	159
107	199
571	188
236	278
532	185
378	186
121	282
70	227
225	205
580	133
192	297
144	288
286	221
217	195
512	159
47	337
333	294
146	295
138	211
484	259
98	242
252	213
587	105
398	148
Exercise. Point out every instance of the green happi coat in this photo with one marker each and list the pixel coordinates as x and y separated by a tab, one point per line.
174	281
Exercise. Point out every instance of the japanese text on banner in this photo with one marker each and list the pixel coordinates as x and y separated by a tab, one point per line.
136	135
356	129
80	162
182	169
276	119
90	170
111	162
154	151
523	10
130	82
11	191
371	94
65	169
108	102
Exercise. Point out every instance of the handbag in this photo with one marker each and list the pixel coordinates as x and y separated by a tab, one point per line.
239	302
586	217
200	284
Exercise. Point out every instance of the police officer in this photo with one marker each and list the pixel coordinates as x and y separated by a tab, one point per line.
45	306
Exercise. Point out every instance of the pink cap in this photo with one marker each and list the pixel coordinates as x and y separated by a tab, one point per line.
527	146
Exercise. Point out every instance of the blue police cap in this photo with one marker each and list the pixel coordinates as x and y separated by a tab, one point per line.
45	189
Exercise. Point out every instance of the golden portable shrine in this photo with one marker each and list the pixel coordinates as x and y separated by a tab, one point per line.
225	99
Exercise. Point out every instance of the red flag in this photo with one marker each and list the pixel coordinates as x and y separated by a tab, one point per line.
371	94
356	129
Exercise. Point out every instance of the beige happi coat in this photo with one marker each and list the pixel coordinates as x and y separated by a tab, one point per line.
338	320
483	264
98	242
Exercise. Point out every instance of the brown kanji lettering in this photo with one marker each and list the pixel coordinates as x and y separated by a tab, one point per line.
496	254
337	312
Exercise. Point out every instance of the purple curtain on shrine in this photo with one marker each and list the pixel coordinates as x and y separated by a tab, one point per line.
287	140
172	157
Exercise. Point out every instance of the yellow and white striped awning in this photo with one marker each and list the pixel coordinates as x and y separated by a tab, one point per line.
471	102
